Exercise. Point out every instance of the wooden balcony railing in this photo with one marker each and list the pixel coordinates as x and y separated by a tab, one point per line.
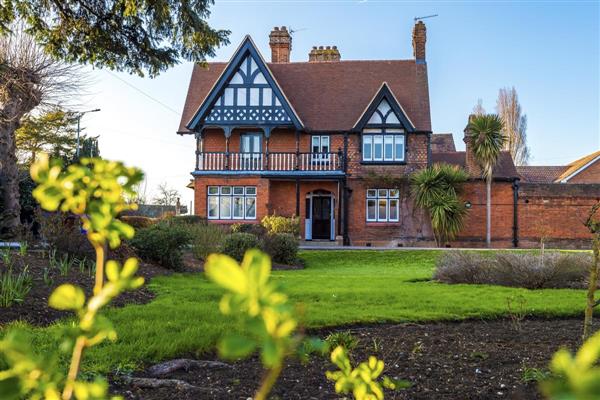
277	161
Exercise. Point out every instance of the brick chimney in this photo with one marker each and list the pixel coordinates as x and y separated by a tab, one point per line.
419	37
281	45
470	163
327	54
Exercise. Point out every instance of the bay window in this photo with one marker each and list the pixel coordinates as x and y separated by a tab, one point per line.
231	202
383	205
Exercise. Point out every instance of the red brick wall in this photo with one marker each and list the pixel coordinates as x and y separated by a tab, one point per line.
589	175
201	184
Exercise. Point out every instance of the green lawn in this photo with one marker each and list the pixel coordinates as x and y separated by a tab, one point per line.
336	288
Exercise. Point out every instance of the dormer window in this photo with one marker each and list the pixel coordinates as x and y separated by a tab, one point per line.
383	145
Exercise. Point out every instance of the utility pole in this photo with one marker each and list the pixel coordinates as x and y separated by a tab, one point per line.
79	115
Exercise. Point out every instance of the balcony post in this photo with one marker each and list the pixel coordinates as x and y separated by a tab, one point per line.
227	130
267	130
297	150
199	145
340	159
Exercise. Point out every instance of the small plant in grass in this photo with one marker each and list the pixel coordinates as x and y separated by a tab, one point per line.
574	376
6	256
344	339
364	381
96	190
64	265
48	281
14	286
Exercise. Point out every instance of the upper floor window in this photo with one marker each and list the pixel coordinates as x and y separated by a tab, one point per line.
320	148
385	145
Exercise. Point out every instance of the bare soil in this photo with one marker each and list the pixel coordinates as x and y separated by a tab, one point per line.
35	310
452	360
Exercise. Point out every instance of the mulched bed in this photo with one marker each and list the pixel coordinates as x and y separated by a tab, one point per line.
35	309
456	360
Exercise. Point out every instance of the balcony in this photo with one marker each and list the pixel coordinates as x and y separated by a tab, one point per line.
276	163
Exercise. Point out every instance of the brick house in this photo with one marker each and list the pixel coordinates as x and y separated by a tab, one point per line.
331	141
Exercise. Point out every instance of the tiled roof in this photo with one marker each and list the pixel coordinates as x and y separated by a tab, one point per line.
331	96
505	168
540	173
442	143
578	164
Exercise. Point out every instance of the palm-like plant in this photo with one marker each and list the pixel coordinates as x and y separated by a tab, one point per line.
487	141
436	189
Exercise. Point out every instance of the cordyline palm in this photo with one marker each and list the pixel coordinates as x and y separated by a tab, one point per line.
487	141
435	189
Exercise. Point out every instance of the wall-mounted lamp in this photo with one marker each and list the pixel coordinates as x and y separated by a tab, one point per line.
468	205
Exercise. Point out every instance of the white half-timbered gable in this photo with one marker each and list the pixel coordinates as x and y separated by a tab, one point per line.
248	98
246	94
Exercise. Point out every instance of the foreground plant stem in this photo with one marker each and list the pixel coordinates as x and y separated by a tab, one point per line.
74	367
100	260
268	382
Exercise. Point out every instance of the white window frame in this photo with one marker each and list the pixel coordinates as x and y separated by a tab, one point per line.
222	194
389	196
320	141
383	138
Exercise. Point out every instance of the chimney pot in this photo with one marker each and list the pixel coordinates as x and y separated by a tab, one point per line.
324	53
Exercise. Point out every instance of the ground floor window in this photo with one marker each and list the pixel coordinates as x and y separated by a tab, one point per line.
383	205
231	202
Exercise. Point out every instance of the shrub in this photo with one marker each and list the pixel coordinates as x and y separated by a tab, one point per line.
236	244
63	233
279	224
527	270
138	222
207	239
186	220
282	247
162	243
255	229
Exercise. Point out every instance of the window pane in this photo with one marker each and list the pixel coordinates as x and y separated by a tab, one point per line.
325	144
399	151
267	97
367	147
394	193
316	144
225	207
382	210
250	207
225	189
241	97
382	193
388	148
238	190
238	207
371	193
250	190
378	147
213	190
213	207
371	204
394	205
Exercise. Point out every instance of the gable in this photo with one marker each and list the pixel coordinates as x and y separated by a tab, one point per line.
384	111
245	94
579	167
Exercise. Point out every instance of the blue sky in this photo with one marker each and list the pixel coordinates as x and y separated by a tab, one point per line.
549	51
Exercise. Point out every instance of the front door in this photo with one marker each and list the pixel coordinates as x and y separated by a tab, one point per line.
321	217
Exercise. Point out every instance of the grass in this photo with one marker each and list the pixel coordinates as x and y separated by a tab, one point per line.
336	288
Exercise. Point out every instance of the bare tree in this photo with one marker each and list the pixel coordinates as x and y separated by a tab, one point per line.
29	78
593	225
515	125
166	196
478	108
